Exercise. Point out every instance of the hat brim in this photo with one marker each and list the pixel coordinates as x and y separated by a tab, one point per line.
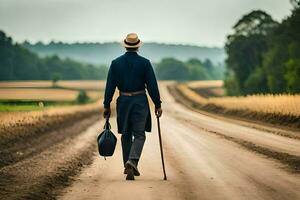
131	46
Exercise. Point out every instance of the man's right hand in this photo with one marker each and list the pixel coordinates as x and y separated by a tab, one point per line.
158	112
106	113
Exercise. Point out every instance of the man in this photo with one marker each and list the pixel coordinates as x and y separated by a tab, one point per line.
132	74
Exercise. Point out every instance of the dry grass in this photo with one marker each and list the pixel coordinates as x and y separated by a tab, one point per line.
207	88
16	118
205	84
275	104
24	84
86	84
278	110
43	94
191	95
43	90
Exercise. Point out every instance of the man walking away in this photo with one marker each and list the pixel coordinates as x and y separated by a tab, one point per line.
132	74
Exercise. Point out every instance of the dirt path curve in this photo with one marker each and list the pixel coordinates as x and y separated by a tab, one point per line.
199	165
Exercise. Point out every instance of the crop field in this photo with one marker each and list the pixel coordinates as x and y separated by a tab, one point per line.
25	84
207	88
27	95
284	104
8	120
85	85
205	84
281	109
43	94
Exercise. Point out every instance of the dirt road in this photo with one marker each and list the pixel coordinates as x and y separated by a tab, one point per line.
205	159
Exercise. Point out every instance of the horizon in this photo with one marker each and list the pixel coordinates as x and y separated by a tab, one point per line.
115	42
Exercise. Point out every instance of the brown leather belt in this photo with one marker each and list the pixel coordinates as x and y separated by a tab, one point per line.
133	93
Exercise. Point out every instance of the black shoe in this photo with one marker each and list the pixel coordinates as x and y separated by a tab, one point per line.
134	165
129	171
135	173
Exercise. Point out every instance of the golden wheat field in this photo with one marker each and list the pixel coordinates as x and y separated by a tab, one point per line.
43	94
275	104
205	84
7	119
84	84
208	88
25	84
43	90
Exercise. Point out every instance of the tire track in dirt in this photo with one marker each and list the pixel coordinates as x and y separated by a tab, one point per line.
51	161
104	179
17	150
216	169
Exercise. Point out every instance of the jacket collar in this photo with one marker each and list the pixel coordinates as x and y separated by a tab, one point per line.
131	53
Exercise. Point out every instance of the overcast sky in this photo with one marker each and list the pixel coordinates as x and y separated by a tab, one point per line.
199	22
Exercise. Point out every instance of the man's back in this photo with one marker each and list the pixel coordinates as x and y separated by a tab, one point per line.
130	73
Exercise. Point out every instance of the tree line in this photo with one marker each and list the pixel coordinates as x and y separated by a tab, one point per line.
18	63
103	53
263	55
192	69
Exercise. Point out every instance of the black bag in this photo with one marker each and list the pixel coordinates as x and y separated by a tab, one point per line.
106	141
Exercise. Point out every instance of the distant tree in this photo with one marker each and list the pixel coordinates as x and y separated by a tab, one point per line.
55	78
257	82
82	97
18	63
194	61
263	55
295	3
293	76
281	58
192	69
215	72
218	72
246	46
6	57
197	71
208	64
172	69
231	84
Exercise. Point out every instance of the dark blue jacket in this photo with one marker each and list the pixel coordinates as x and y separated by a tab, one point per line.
130	73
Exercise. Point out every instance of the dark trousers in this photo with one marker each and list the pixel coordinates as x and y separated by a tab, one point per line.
134	139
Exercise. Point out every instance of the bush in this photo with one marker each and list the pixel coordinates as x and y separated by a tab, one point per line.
82	97
55	78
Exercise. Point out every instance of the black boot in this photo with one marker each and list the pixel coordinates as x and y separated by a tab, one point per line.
135	173
129	168
135	169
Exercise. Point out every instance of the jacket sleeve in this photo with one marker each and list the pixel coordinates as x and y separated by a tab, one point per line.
152	86
110	87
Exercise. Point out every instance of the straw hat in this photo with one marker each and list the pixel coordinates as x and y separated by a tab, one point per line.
132	41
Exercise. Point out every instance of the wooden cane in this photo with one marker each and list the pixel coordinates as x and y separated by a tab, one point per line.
161	148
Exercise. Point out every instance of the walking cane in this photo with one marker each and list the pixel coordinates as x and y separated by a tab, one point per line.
161	148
